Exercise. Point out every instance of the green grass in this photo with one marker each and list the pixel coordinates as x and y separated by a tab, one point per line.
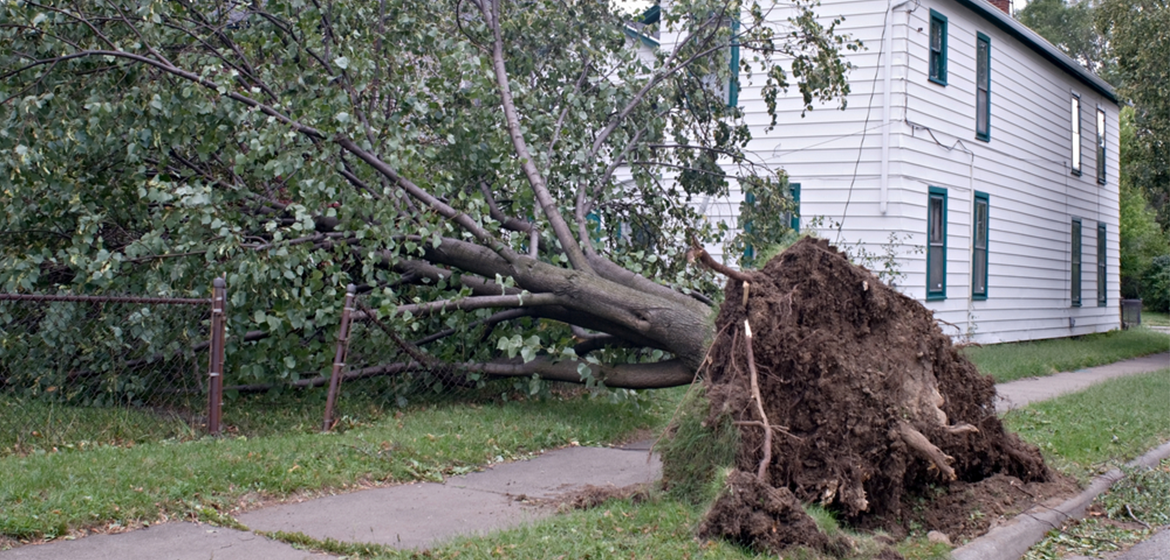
1130	512
1017	360
1101	426
28	425
659	528
1155	318
46	494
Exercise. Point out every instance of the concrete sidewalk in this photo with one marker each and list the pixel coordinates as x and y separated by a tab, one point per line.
1019	393
406	516
420	515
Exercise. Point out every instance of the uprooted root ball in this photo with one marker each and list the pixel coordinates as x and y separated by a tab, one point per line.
867	399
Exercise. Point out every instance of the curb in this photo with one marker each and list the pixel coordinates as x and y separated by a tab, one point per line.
1011	541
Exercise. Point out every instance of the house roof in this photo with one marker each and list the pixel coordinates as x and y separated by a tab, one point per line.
1037	43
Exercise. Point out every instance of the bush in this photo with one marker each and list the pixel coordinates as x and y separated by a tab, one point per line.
1142	239
1156	286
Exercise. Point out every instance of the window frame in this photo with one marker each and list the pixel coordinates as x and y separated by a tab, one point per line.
1101	124
733	80
936	193
1076	262
985	230
749	251
1102	267
1075	116
940	55
794	221
983	85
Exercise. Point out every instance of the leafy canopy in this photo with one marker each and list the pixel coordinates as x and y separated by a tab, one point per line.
436	154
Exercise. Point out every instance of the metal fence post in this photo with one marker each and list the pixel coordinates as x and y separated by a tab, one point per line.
215	361
339	356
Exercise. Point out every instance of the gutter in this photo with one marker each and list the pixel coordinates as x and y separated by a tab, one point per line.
1037	43
887	79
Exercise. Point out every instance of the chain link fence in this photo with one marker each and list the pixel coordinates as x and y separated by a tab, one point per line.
93	370
97	370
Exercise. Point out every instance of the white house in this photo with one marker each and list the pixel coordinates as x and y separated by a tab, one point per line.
991	156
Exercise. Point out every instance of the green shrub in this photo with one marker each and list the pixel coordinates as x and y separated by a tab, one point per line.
1142	240
1156	287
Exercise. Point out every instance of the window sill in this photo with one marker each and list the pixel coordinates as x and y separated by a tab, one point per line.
938	81
979	297
935	297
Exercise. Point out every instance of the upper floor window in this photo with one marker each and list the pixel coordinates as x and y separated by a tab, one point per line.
733	81
938	48
983	87
1076	134
1100	145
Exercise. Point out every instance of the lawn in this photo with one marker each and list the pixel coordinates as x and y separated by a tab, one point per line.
1155	318
117	483
48	493
1017	360
1087	432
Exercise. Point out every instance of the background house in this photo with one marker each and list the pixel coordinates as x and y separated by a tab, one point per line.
986	155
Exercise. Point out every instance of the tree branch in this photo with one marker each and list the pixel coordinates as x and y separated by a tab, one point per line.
537	181
668	373
473	302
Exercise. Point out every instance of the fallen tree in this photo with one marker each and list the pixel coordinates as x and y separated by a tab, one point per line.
846	394
489	173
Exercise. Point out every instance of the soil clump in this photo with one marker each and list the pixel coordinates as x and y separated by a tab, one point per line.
873	413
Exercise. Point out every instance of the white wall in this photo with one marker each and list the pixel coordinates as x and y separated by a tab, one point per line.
836	157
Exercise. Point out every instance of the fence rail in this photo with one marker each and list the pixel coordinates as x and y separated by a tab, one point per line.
148	362
104	299
105	367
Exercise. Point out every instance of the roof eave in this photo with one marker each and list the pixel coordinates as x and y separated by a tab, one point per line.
1037	43
646	39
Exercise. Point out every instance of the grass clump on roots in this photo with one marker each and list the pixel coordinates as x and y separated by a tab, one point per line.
697	450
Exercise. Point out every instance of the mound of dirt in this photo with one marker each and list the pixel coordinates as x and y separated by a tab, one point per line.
754	513
871	408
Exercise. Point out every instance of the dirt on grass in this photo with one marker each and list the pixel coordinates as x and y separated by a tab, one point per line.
591	496
873	413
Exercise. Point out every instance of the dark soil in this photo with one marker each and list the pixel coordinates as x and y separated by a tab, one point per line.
590	496
875	415
757	514
965	510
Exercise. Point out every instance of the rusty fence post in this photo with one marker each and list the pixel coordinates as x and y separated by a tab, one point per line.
215	360
339	356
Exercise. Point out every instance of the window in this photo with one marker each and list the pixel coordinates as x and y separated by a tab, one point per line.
1076	262
733	81
749	250
775	216
1076	135
1102	289
1100	145
936	252
938	48
983	87
979	255
794	216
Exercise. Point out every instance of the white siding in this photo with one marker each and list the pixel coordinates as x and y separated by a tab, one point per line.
1024	168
